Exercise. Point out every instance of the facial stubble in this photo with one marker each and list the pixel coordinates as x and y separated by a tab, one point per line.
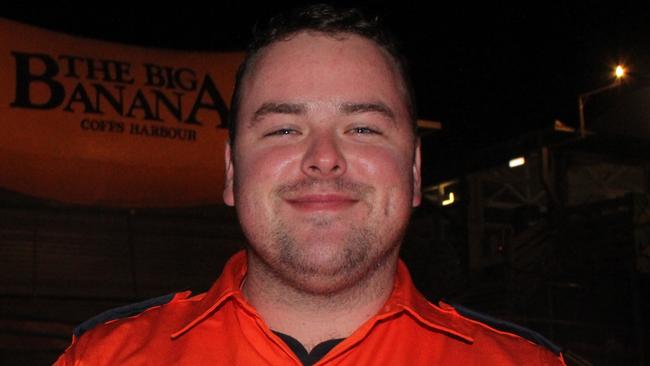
322	267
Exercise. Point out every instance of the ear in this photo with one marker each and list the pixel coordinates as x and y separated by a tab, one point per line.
228	194
417	175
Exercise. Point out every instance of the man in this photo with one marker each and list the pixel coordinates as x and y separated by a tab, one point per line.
323	167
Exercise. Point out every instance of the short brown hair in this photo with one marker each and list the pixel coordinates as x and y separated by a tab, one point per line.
325	19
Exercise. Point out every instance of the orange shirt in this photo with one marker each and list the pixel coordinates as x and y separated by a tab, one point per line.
221	328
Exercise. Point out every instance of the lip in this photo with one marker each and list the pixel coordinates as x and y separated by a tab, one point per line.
320	202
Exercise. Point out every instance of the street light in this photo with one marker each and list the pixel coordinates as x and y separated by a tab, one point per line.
619	74
519	161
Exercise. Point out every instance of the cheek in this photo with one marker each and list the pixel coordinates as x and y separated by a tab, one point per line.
260	170
391	173
385	166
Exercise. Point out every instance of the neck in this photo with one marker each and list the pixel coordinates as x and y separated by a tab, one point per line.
313	318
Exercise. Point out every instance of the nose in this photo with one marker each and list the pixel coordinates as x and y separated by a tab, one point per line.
323	158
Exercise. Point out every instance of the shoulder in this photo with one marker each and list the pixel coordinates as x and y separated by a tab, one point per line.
121	313
507	340
106	337
499	326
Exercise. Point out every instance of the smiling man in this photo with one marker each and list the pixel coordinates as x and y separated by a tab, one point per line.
324	171
323	167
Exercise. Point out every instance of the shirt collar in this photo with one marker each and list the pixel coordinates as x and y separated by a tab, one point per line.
405	297
227	286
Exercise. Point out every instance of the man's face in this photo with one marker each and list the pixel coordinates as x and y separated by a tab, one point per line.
325	167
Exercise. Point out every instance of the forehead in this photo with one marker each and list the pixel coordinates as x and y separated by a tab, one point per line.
315	67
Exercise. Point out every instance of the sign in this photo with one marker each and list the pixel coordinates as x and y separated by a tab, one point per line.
97	123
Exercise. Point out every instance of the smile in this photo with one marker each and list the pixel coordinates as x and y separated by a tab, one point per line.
322	202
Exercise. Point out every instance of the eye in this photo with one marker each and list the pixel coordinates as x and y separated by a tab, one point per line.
364	131
282	132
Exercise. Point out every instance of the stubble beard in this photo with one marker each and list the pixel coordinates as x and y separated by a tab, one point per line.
332	268
317	266
314	264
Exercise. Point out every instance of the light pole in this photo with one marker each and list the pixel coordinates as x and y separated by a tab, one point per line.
619	73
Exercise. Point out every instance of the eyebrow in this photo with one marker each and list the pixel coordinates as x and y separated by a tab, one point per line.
279	108
301	109
358	108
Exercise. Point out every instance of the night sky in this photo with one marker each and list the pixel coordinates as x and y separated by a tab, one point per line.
487	72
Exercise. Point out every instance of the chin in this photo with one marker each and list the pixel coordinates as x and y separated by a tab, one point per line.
334	269
325	284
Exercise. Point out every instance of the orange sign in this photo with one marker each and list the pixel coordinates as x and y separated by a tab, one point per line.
91	122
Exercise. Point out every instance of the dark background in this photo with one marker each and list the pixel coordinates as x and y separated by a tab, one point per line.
491	73
486	71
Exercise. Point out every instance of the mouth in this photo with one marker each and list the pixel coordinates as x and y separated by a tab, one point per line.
321	202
